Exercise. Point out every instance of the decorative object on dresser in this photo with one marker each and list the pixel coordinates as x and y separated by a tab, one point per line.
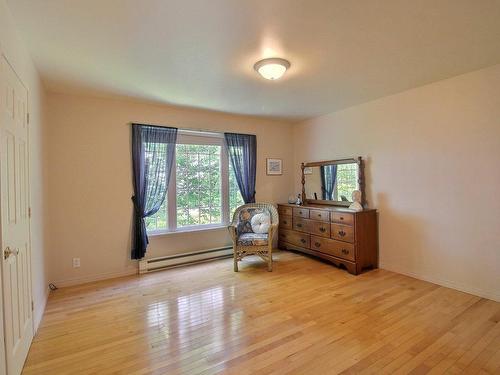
298	201
252	233
325	227
356	201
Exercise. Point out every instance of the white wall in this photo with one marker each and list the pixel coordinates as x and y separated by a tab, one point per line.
12	47
432	167
91	181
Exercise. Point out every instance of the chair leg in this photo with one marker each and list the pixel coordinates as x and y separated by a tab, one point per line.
235	261
270	260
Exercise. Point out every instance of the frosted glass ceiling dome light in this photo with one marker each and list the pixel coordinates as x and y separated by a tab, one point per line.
273	68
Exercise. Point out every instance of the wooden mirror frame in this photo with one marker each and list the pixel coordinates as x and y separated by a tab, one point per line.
361	181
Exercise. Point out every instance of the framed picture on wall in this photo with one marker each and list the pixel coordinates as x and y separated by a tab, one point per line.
274	167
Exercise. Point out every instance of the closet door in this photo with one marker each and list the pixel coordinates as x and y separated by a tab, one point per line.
14	219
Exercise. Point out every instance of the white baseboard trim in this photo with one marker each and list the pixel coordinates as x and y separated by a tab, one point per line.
489	294
39	311
91	278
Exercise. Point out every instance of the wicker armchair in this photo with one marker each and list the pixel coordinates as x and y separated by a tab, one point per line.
262	247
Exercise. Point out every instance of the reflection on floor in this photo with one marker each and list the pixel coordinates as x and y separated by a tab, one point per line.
305	317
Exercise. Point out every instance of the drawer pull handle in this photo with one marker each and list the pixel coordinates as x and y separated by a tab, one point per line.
317	244
341	218
302	240
322	229
319	215
342	233
344	251
285	222
299	225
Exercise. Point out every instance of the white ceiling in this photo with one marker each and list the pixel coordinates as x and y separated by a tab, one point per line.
200	53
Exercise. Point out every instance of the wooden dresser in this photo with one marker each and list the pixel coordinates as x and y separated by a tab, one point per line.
342	236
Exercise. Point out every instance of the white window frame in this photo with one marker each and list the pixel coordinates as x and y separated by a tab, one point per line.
199	138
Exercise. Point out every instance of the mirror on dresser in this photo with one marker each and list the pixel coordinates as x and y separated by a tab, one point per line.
332	182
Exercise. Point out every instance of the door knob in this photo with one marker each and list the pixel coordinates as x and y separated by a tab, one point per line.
8	252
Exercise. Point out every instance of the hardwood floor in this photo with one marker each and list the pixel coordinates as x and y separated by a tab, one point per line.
306	317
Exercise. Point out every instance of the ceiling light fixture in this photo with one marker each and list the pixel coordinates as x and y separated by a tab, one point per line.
272	68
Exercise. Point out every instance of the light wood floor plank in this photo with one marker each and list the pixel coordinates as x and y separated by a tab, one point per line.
305	317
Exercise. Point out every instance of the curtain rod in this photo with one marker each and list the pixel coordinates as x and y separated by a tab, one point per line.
189	129
151	125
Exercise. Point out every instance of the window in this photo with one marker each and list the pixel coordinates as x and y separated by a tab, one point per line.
202	192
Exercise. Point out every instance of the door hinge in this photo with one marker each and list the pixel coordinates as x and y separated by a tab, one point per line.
28	117
29	212
32	306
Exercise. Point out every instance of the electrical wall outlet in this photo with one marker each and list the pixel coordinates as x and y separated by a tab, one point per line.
76	262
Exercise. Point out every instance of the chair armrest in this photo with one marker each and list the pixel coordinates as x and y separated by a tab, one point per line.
272	231
233	232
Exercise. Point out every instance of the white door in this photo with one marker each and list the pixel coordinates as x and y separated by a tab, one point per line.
14	219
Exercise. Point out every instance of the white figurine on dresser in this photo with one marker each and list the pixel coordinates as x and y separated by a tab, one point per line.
356	201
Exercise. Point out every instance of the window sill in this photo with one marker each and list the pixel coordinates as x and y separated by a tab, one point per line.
160	233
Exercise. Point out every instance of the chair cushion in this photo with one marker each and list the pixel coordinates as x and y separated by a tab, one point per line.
245	218
252	239
261	222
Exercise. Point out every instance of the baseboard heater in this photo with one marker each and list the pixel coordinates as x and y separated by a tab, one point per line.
161	263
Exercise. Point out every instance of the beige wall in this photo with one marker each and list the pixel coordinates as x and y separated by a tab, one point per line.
90	180
12	47
432	167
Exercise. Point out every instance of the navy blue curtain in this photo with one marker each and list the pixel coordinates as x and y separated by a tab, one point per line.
328	179
242	150
153	151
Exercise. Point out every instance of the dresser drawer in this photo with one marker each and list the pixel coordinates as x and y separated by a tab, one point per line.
302	212
336	248
285	221
285	210
300	224
342	218
343	232
295	238
319	228
319	215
